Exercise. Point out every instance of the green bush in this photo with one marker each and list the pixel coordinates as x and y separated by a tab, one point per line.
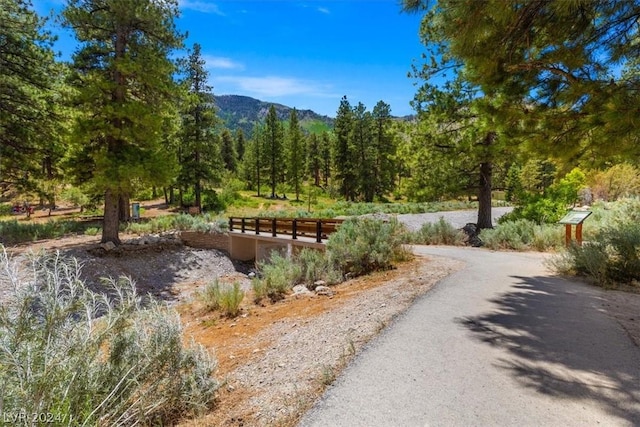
610	258
364	245
231	297
438	233
13	232
210	296
522	235
278	276
94	359
92	231
315	266
226	298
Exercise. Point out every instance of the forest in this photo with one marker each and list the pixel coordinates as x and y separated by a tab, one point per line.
550	112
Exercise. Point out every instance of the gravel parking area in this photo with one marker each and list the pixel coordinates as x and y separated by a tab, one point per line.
456	218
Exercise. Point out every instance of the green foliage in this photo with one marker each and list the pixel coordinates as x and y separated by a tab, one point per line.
610	258
125	96
438	233
226	298
94	359
315	265
618	181
205	223
231	297
279	276
550	205
92	231
13	232
523	234
75	196
364	245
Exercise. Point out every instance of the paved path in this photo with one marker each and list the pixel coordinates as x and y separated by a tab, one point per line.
499	343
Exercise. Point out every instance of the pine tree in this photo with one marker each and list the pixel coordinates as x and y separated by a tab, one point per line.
273	149
325	150
124	84
362	140
384	166
295	153
30	119
344	155
314	158
229	156
252	161
200	161
239	144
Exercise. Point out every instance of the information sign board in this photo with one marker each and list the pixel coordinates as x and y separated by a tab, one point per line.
574	217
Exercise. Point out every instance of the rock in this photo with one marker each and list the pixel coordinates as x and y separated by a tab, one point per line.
472	232
108	246
324	290
319	283
251	275
300	290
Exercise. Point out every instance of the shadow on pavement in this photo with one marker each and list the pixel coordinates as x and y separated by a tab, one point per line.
559	345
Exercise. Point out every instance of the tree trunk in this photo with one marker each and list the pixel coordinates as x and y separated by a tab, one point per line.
172	196
485	185
110	223
166	196
198	193
124	208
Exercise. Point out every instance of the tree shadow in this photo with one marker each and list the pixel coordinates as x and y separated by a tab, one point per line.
559	345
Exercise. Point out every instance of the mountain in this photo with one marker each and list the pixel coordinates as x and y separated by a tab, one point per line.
243	112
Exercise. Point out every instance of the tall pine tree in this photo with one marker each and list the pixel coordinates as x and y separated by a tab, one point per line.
273	149
295	153
124	83
344	153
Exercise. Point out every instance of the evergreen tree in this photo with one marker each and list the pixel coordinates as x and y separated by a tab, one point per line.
325	150
252	161
362	140
314	158
344	153
229	156
295	153
384	167
124	85
30	121
200	148
239	144
273	149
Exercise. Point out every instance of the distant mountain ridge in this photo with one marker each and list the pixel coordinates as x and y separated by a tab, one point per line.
244	112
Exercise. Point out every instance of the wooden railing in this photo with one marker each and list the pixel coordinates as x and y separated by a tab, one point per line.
295	227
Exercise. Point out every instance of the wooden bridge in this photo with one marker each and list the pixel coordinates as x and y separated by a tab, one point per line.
255	238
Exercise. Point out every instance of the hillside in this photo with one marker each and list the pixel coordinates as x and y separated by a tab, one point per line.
243	112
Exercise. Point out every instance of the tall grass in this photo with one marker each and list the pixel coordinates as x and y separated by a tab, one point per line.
223	297
93	358
523	234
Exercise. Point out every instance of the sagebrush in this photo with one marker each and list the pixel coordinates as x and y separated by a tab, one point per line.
94	358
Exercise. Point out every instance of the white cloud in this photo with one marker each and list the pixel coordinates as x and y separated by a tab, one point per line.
201	6
221	62
324	10
274	86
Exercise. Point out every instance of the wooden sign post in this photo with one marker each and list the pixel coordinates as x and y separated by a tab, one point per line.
574	218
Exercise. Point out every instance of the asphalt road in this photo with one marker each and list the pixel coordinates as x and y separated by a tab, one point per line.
500	343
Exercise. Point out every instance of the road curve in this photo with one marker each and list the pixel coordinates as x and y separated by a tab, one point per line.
500	343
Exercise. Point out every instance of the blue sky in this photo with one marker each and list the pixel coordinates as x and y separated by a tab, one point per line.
305	54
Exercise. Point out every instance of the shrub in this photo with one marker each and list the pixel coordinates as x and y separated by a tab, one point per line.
231	297
226	298
315	266
92	231
278	276
364	245
210	296
522	235
438	233
611	257
96	359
